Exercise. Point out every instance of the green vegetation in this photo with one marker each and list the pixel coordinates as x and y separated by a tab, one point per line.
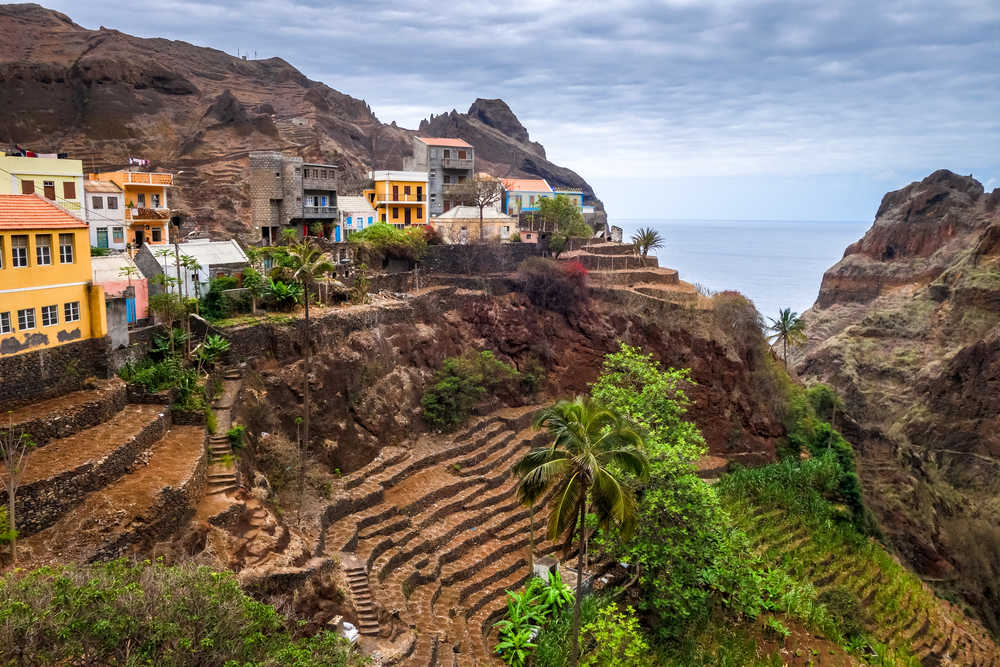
128	613
646	239
381	241
556	286
99	252
462	382
540	602
236	435
788	329
561	215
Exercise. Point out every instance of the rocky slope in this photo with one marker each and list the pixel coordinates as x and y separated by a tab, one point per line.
103	96
907	328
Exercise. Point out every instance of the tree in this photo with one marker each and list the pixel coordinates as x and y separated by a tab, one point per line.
129	272
164	253
646	239
289	235
167	307
14	449
562	216
592	446
481	191
308	264
255	284
788	328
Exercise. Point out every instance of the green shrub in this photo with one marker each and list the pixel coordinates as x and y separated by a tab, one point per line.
128	613
556	286
236	434
461	382
845	609
614	638
283	296
373	245
99	252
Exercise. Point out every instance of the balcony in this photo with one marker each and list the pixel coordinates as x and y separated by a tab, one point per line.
401	198
456	163
148	178
147	213
311	183
319	212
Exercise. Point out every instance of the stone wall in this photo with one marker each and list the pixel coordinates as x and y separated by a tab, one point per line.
41	503
477	259
53	371
104	403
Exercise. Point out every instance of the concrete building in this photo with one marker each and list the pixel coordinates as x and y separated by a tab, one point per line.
47	297
215	259
524	194
287	192
447	162
147	205
104	205
119	276
398	197
461	224
58	179
355	214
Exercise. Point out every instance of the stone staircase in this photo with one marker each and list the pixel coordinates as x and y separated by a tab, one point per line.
357	580
222	473
441	535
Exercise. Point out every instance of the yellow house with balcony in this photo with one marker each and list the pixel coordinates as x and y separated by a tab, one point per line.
147	210
398	197
47	297
59	180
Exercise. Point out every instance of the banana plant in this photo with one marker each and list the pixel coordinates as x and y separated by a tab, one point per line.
555	594
514	649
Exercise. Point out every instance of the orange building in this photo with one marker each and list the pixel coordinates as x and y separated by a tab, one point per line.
147	211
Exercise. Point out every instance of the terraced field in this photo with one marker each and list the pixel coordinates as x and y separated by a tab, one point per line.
900	610
442	536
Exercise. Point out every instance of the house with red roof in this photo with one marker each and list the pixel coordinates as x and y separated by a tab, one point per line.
449	163
522	195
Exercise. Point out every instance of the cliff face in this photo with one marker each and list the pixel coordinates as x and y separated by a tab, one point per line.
103	96
907	328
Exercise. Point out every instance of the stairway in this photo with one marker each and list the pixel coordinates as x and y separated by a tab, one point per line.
357	579
222	472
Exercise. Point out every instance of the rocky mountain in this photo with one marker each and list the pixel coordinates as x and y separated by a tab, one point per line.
103	96
907	328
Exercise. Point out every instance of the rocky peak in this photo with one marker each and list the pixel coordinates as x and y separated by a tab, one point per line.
498	115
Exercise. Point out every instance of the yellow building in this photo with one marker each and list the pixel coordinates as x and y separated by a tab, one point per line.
57	179
147	210
399	197
47	297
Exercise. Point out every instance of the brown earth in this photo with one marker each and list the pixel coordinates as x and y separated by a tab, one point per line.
907	328
103	96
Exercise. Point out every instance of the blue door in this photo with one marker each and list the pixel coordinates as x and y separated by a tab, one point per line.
130	309
337	229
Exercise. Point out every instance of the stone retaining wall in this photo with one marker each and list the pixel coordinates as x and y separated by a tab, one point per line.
53	371
41	503
172	508
477	259
106	402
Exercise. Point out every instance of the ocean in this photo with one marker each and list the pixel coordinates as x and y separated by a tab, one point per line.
777	264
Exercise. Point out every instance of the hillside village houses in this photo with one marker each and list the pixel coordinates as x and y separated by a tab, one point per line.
447	162
53	176
215	259
398	197
119	276
289	193
105	213
355	214
147	210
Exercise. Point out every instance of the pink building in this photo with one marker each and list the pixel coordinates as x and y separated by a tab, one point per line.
111	273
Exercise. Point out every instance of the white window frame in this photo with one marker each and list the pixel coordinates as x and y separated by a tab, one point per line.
23	254
96	202
25	312
5	327
71	311
43	251
154	200
50	313
67	253
112	202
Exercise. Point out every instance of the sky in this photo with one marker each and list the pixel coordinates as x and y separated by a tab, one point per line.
683	109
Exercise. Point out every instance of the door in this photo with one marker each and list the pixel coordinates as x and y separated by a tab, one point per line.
130	309
406	215
50	190
140	237
102	237
395	193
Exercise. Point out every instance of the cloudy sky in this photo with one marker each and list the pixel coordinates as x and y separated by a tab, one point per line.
793	109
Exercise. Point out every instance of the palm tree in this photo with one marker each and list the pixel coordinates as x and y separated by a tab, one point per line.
307	264
789	329
192	266
646	239
591	446
164	253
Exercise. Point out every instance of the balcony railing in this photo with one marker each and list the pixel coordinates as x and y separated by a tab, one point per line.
319	183
149	178
147	213
401	198
456	163
319	211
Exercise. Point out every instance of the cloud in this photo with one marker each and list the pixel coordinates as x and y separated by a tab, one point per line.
708	89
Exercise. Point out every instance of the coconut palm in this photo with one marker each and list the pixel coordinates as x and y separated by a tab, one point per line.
788	328
592	446
165	253
646	239
307	264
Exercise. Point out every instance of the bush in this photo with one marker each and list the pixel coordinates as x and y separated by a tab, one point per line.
614	638
99	252
558	287
215	305
283	296
382	241
128	613
432	235
845	609
236	434
515	237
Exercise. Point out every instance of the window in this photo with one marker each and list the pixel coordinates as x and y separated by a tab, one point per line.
5	323
1	252
50	316
113	203
420	213
395	212
461	155
406	189
19	251
66	248
447	154
157	234
155	200
25	319
141	199
69	190
370	220
43	249
434	152
119	234
27	187
71	311
49	189
97	202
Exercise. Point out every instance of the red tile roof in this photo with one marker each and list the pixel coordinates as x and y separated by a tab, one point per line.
34	212
526	184
445	141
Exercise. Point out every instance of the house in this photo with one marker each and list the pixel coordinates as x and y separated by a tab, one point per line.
448	163
119	276
522	195
355	214
398	197
104	206
215	259
58	179
147	209
574	195
461	224
287	192
47	297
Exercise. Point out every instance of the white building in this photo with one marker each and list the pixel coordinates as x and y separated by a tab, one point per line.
105	214
214	258
355	213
